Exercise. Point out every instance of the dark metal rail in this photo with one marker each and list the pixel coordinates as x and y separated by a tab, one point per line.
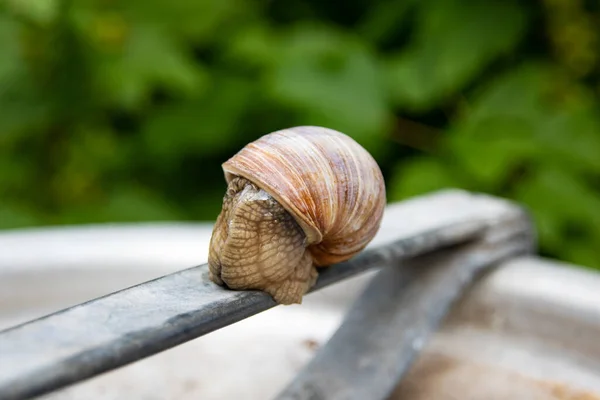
392	321
86	340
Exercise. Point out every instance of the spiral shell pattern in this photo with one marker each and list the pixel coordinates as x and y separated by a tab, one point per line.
327	181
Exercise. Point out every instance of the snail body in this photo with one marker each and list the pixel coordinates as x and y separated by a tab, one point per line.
297	199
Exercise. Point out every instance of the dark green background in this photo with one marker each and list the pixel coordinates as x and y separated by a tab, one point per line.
124	110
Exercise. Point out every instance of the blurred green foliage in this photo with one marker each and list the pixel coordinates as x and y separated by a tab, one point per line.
124	110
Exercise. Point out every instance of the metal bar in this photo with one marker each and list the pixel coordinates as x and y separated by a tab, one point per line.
394	318
86	340
94	337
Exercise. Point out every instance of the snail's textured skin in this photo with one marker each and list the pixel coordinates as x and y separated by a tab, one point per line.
256	244
296	199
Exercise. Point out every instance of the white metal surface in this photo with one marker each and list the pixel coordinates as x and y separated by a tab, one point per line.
527	331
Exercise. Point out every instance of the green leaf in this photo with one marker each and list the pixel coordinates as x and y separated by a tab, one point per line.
123	204
136	204
39	11
332	80
149	58
16	173
420	176
9	43
516	93
516	120
16	216
91	157
548	225
492	149
558	199
22	109
22	106
455	40
184	18
254	45
202	125
583	254
568	195
384	18
572	139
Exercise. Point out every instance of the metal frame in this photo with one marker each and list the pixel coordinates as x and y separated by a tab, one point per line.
397	313
424	268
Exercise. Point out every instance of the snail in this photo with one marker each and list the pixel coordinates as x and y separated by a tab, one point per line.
297	199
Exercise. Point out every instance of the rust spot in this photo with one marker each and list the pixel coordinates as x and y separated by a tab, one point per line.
190	386
311	344
436	376
563	392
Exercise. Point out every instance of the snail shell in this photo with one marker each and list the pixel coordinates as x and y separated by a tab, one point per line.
325	188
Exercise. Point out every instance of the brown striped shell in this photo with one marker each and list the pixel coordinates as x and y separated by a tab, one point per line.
328	182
